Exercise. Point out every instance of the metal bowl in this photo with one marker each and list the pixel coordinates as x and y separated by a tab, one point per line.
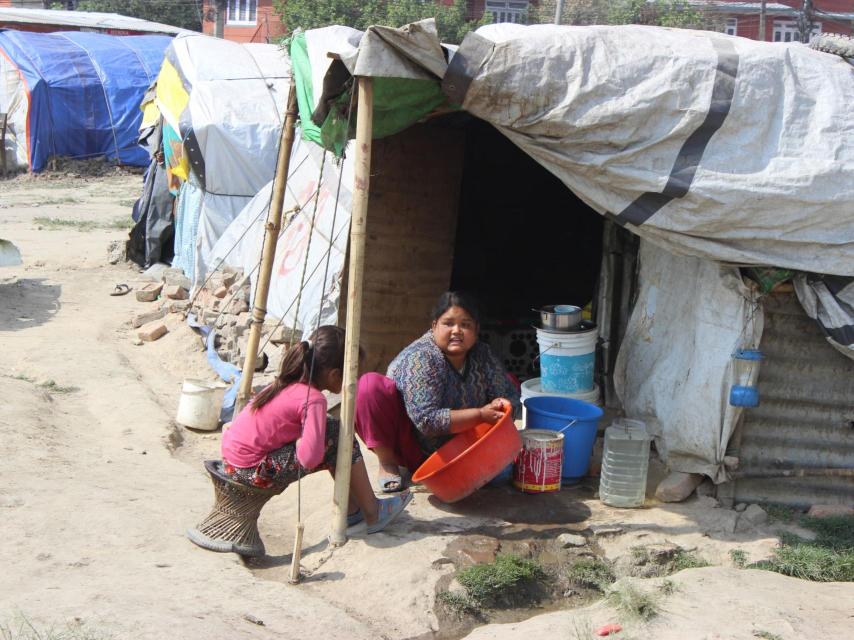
559	317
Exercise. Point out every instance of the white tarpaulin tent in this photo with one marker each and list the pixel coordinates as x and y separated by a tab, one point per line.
226	101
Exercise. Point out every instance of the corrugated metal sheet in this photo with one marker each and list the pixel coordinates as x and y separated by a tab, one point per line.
806	415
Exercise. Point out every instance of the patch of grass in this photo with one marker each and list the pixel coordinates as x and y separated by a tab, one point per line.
632	601
738	557
47	385
50	201
834	532
668	587
828	558
687	560
640	554
83	225
51	385
459	603
23	629
129	202
779	513
593	573
767	635
810	562
494	584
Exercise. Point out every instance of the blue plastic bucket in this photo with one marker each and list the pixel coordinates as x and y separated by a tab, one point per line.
567	360
576	419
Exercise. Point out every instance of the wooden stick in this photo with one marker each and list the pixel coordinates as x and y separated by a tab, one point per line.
271	239
295	558
358	223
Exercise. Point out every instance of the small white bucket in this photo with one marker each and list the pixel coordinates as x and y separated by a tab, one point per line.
533	388
200	404
567	360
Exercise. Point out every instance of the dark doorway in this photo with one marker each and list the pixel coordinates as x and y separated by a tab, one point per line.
523	240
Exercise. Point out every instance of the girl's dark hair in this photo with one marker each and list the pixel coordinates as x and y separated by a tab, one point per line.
456	299
326	346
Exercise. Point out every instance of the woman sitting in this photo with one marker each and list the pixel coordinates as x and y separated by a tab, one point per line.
443	383
284	433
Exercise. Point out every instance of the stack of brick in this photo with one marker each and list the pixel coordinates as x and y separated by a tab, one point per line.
169	295
223	304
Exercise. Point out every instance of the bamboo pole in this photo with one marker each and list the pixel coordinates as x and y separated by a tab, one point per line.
268	254
358	223
294	576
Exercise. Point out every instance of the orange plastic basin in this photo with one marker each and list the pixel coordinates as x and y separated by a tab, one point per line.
470	459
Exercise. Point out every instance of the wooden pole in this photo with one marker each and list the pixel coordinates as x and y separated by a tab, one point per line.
762	20
358	223
268	254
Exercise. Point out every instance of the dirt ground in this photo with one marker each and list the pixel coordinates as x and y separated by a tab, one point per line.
99	485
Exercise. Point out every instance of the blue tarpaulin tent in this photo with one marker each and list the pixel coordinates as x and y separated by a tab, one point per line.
80	92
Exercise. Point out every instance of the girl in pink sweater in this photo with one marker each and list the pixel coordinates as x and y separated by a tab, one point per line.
285	433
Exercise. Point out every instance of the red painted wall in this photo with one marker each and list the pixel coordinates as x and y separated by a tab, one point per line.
268	26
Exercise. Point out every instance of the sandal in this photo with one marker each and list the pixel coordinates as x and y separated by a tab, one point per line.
394	482
389	509
391	484
120	290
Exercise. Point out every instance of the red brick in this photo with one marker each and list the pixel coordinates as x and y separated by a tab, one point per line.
152	331
147	316
149	292
175	292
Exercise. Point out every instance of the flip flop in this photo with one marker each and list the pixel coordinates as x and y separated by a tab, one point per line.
389	510
120	290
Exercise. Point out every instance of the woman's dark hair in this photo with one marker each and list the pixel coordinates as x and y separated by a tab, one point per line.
456	299
326	346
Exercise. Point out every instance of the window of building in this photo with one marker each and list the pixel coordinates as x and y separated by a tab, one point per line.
787	31
507	11
731	27
241	11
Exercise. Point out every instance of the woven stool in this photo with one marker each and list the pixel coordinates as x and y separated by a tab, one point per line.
232	524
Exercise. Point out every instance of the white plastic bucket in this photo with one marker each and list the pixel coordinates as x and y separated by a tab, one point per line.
567	360
533	388
200	404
